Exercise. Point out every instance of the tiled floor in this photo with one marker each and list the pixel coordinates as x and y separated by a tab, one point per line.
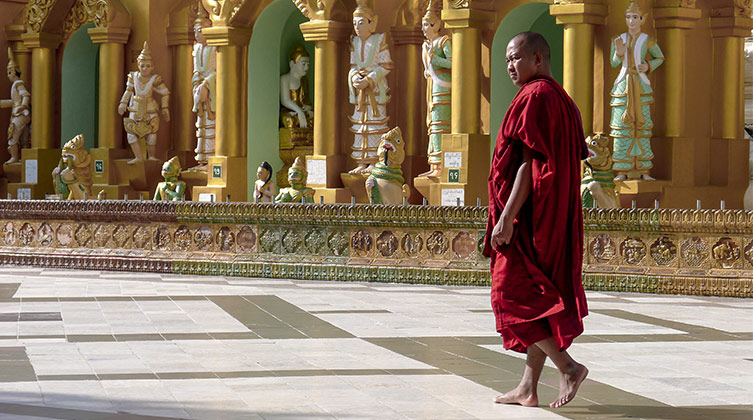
96	345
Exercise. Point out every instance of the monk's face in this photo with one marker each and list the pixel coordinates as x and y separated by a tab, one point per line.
522	65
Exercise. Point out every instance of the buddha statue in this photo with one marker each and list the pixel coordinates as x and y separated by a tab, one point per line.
204	91
143	119
264	187
20	117
298	191
632	95
370	63
171	189
296	109
437	57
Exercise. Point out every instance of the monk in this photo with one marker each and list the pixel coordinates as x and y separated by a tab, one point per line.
535	231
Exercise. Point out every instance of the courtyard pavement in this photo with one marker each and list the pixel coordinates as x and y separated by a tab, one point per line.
101	345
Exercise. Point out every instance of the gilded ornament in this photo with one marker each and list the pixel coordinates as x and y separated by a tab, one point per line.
246	239
223	11
632	250
291	240
694	251
182	238
269	240
338	243
225	239
437	243
26	234
315	241
162	238
37	12
361	243
663	251
101	235
749	252
141	237
726	252
458	4
387	243
603	248
64	234
412	244
83	235
99	12
45	235
120	236
77	16
9	234
203	238
744	8
463	245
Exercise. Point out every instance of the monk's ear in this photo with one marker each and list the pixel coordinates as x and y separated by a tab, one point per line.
538	58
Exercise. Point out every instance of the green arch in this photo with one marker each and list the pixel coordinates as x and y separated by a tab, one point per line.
80	75
528	17
275	33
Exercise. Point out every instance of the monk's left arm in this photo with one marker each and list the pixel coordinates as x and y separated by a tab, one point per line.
521	189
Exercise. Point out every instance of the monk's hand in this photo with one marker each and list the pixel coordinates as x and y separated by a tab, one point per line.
502	233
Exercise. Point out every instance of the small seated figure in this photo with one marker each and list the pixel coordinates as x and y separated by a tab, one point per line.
296	109
385	184
172	189
72	177
264	187
597	185
298	191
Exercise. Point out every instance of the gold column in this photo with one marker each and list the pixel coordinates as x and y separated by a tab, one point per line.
226	172
329	94
43	63
111	75
729	27
183	119
411	106
579	20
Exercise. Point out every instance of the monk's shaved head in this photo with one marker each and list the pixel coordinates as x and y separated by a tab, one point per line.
534	42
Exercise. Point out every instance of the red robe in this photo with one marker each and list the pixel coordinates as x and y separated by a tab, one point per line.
536	279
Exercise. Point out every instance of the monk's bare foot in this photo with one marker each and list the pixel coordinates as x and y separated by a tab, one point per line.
518	396
569	384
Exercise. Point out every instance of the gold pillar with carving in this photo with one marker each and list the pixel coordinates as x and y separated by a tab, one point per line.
111	75
673	148
466	146
579	20
327	162
181	40
411	109
729	27
226	172
37	162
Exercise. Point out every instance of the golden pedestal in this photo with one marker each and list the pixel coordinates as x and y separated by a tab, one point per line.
643	192
457	180
294	142
112	174
324	178
356	185
36	173
226	177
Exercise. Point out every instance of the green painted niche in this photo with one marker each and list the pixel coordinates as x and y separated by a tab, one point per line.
528	17
276	32
80	75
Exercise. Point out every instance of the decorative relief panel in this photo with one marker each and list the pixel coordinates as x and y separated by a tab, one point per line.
83	235
9	234
203	238
26	234
45	235
663	251
119	236
412	243
246	239
361	243
161	238
182	238
603	249
338	243
225	239
632	250
387	244
726	253
694	251
64	234
463	245
437	243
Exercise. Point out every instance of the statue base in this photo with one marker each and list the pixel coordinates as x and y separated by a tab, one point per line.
332	195
426	187
112	174
220	171
643	192
193	179
36	174
120	192
356	184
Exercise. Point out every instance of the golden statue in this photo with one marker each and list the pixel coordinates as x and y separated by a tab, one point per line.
264	187
142	121
632	96
172	189
437	57
20	117
72	177
204	91
294	92
385	184
298	191
370	63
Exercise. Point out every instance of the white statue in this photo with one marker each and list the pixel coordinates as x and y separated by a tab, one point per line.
204	91
294	92
370	63
20	117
